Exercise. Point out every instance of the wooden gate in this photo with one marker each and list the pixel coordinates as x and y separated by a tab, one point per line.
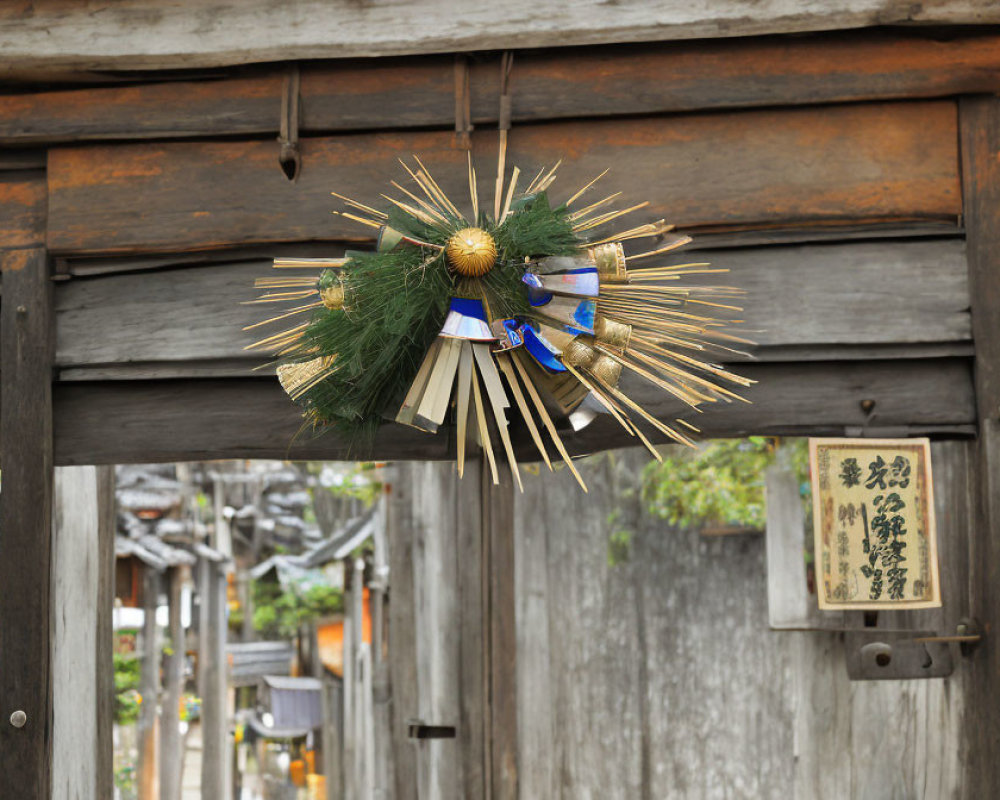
850	182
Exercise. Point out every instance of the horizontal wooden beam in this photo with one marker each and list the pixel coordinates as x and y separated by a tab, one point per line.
754	168
140	421
386	94
800	302
145	34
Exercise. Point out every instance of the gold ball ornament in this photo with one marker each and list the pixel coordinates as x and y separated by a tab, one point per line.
471	252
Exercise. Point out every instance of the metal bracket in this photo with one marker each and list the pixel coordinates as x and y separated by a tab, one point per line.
880	655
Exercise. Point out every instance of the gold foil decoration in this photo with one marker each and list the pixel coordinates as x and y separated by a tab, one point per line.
579	354
612	334
471	252
610	261
606	370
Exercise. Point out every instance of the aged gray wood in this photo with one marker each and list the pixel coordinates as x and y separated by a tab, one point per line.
865	294
26	324
148	726
170	737
659	677
139	421
473	735
104	640
205	33
402	628
498	537
77	608
788	601
435	581
980	144
212	680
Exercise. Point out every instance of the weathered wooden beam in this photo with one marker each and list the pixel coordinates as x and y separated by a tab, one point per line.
83	594
205	33
501	628
745	169
26	345
386	94
800	301
980	131
184	420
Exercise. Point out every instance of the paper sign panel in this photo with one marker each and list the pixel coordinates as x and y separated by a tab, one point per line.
873	517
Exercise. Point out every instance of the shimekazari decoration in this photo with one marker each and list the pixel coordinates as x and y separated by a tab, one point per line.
873	516
463	315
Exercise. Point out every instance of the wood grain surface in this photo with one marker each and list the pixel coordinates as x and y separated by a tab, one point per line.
754	168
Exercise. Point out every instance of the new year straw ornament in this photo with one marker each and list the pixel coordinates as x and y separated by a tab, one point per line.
467	318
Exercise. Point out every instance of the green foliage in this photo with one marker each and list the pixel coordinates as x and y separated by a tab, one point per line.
128	671
720	482
395	304
279	613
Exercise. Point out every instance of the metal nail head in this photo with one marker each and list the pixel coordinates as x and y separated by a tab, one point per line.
18	718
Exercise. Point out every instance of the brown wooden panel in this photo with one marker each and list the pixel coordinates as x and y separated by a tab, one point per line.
742	169
642	79
864	294
585	82
22	210
138	421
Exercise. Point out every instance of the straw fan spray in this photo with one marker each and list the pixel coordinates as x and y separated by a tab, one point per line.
468	313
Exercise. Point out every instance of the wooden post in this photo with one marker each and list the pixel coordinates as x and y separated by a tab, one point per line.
402	628
149	688
106	526
212	668
979	124
26	524
498	544
170	734
82	596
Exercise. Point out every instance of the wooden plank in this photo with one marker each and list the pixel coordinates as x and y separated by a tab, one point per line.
165	418
830	165
473	735
77	592
171	755
402	628
684	669
26	523
437	619
212	680
104	641
498	537
148	725
863	294
980	131
140	421
103	36
578	83
788	603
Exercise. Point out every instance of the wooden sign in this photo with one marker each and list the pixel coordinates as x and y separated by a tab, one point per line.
873	516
